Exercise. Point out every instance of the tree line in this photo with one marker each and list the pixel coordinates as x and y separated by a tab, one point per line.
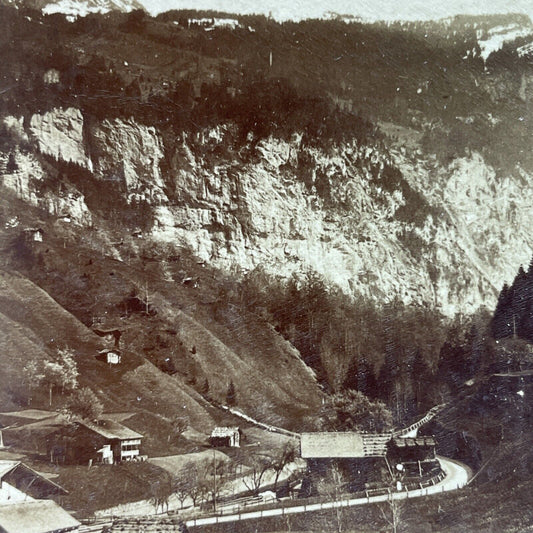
402	358
513	316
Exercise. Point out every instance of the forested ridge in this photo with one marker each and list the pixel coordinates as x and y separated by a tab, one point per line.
326	79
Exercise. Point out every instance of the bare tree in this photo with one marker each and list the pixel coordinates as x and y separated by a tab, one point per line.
281	458
214	477
181	487
258	465
392	512
332	485
161	491
33	376
194	482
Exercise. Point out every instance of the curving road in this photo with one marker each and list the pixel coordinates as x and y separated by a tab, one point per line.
457	476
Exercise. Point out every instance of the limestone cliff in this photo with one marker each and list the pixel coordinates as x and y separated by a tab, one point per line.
447	236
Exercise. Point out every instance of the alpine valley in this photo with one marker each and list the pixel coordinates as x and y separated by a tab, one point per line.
258	207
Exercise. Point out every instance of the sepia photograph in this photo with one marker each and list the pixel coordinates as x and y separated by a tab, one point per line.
266	267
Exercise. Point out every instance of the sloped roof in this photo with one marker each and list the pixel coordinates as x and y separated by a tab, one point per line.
31	414
112	430
8	466
332	445
222	431
343	445
410	442
40	516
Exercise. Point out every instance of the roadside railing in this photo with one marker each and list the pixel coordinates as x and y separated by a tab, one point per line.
252	508
312	504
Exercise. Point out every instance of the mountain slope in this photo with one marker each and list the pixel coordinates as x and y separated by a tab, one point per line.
170	345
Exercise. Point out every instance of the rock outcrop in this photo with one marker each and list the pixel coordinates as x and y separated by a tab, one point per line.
446	236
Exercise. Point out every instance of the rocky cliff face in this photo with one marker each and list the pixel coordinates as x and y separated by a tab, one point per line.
448	236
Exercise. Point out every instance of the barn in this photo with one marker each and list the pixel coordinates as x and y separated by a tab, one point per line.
359	457
366	460
225	437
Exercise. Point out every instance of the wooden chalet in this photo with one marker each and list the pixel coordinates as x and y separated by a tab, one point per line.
83	442
361	457
367	458
111	357
34	234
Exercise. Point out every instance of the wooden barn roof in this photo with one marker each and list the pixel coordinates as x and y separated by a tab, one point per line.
222	431
343	445
40	516
410	442
112	430
6	467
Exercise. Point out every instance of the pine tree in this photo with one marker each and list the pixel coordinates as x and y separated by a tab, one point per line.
11	164
231	396
350	381
502	322
421	377
366	379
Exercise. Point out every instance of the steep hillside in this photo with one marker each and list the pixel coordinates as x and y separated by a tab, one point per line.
166	159
441	234
172	346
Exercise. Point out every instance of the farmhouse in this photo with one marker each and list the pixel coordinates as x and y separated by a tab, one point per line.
83	442
42	516
120	443
225	436
34	234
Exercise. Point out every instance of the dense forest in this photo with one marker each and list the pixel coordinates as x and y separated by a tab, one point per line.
513	316
408	357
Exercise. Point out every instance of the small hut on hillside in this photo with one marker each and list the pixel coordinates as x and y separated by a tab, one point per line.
225	436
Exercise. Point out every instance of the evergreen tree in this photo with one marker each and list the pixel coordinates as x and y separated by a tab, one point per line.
351	375
421	376
11	163
513	315
231	395
502	321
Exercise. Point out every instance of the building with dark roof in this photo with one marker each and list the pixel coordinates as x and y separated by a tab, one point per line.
121	443
74	442
85	442
20	482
